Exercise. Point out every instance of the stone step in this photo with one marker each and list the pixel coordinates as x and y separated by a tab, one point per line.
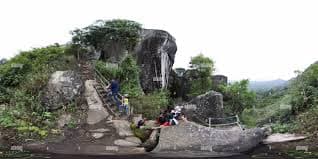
93	149
100	130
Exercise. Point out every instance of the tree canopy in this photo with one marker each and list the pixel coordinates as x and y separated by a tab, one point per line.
237	97
202	69
104	31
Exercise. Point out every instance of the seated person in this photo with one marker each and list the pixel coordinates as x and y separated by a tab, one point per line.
141	123
161	119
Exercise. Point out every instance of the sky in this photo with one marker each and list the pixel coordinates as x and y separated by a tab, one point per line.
247	39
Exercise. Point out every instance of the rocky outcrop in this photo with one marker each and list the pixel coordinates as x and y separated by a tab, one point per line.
96	111
155	53
152	141
62	89
122	128
3	61
204	106
155	57
189	136
63	120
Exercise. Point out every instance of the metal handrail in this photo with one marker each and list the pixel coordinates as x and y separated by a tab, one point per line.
237	122
105	82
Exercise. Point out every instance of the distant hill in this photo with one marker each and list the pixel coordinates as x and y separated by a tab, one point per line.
267	85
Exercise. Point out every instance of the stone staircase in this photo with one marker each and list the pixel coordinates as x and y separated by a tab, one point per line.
108	132
103	132
90	73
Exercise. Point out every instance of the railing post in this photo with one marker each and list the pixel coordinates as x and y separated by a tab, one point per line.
210	122
238	122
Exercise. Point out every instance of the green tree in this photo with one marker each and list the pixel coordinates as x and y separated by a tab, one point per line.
103	32
202	68
129	77
304	89
237	97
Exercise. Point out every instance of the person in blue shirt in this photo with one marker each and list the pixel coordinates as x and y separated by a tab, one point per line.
114	87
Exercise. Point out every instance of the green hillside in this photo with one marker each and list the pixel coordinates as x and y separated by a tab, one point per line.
293	109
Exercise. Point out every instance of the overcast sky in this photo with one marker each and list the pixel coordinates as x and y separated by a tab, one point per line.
258	40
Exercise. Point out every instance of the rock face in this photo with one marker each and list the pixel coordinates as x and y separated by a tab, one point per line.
204	106
133	139
155	57
62	89
96	111
63	120
122	128
125	143
3	61
189	136
152	141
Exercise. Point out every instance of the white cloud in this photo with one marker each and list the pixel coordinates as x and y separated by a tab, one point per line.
259	40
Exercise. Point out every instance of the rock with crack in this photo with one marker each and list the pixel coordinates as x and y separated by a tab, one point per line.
189	136
96	111
62	89
123	128
155	57
152	141
204	106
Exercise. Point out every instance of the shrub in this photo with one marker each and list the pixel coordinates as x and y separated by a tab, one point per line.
142	134
150	105
22	79
283	128
127	73
304	89
237	97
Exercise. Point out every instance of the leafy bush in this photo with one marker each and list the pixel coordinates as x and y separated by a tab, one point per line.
304	89
142	134
237	97
129	77
150	105
283	128
22	79
127	73
307	121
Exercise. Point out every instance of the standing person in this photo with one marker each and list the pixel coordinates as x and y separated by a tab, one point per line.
125	104
114	87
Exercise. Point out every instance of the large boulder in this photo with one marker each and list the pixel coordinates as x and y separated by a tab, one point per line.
189	136
204	106
155	57
152	141
62	89
155	53
3	61
122	128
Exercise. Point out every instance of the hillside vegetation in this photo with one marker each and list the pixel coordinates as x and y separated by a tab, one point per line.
292	109
22	80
